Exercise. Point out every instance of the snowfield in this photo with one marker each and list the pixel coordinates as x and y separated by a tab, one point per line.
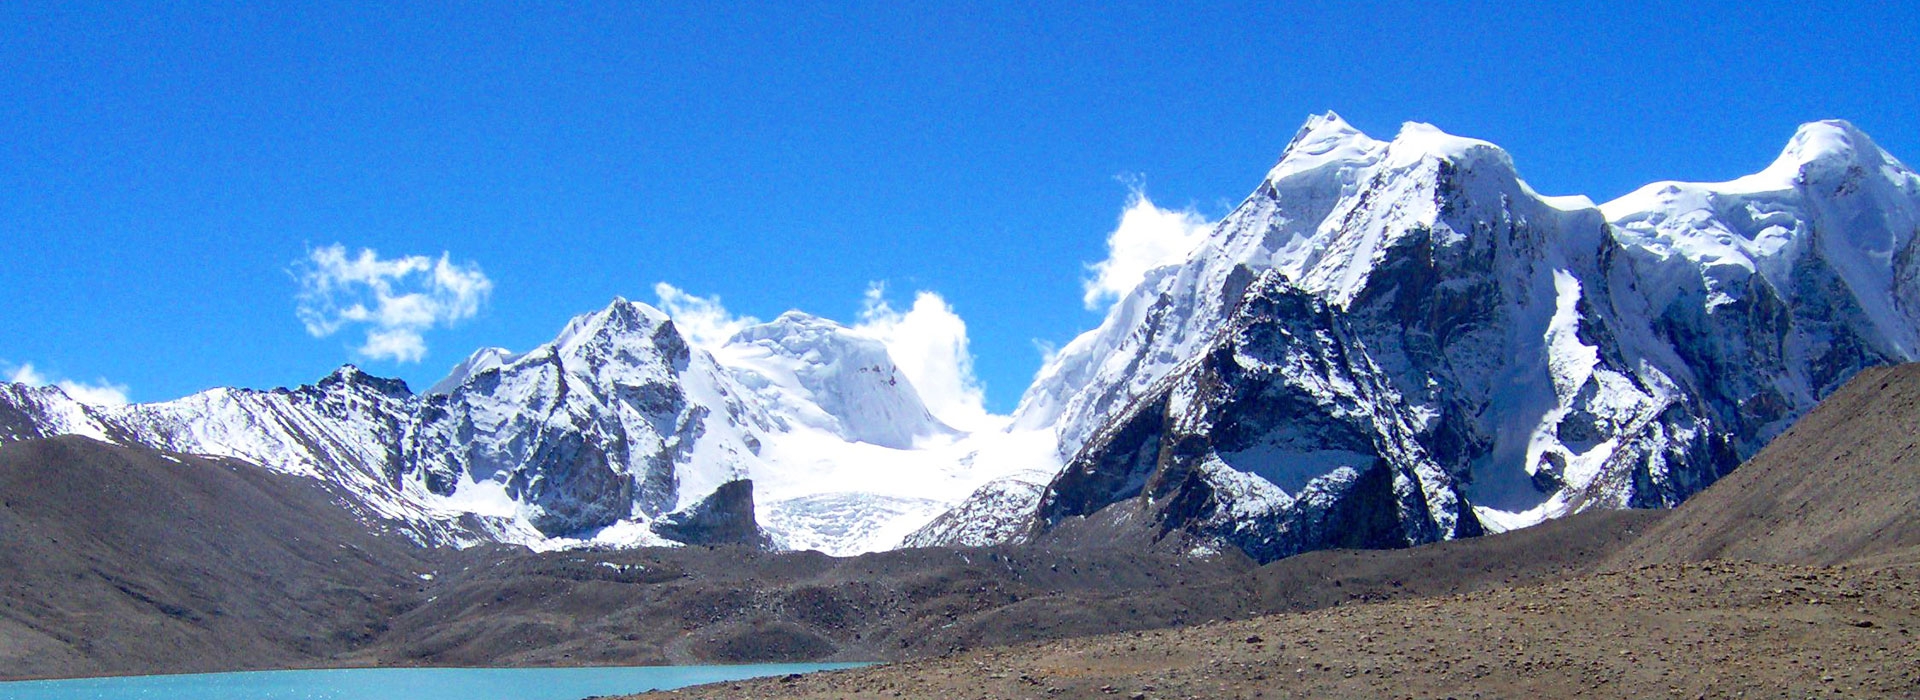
1401	325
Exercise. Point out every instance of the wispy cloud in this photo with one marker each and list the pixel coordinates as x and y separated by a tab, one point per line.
703	320
395	300
100	392
1147	237
928	342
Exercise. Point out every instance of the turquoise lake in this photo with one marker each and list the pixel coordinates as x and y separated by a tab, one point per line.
400	683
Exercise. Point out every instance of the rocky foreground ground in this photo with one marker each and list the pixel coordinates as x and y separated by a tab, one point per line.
1700	630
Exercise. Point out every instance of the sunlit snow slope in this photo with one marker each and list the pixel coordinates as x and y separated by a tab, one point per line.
618	432
1389	342
1393	342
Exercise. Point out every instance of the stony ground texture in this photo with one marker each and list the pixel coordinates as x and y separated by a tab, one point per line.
1702	630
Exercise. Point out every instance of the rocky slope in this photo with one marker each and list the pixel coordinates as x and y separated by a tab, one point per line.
128	560
1841	486
1396	342
618	432
1718	630
1390	342
120	560
1796	576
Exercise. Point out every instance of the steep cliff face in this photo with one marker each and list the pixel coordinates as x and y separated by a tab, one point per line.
797	433
616	419
1411	314
1777	287
1279	439
1387	343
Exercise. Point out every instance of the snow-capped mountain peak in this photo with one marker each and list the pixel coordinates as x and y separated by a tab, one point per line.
1824	146
1387	342
620	326
1539	358
480	361
831	377
1325	141
1418	140
352	376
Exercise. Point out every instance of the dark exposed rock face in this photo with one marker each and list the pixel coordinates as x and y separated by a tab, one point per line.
591	429
1387	343
997	512
1422	319
572	486
1466	360
587	431
726	517
1243	448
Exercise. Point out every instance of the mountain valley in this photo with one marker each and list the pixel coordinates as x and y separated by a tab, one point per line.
1394	389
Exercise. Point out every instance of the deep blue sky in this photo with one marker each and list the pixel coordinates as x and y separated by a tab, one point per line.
161	169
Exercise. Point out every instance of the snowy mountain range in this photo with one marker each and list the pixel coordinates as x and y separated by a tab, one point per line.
797	433
1387	343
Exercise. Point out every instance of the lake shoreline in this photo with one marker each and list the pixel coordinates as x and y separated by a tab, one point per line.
407	683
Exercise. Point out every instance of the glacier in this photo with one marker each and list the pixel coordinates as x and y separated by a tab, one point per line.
1389	342
798	433
1410	317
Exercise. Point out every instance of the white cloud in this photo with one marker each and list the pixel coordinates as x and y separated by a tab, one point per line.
702	320
1147	237
402	344
99	393
1048	350
929	344
397	300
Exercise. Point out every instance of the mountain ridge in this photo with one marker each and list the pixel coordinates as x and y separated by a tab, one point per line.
1472	355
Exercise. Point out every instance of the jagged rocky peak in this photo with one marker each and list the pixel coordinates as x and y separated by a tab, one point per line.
615	419
1333	209
350	376
614	332
831	377
1400	332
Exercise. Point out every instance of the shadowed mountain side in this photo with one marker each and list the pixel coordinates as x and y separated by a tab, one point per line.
122	560
117	560
1842	485
694	605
